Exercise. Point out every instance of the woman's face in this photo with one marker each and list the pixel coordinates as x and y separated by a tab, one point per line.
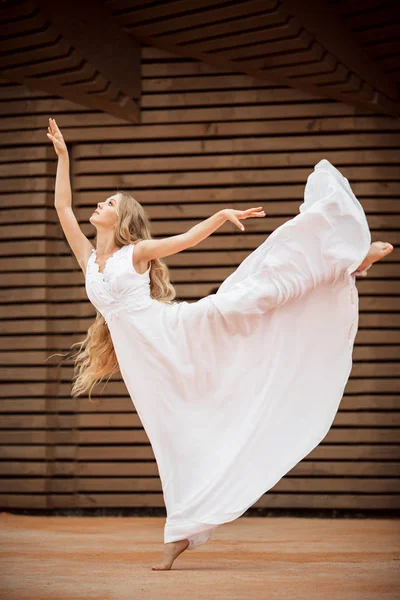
105	215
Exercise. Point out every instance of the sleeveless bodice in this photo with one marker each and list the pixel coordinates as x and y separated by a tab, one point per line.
120	287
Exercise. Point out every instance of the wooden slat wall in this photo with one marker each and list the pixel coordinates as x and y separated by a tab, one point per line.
208	139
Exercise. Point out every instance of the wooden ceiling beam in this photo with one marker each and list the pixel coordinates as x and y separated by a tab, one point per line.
91	29
321	20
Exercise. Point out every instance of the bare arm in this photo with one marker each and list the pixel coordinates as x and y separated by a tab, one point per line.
79	243
147	250
63	194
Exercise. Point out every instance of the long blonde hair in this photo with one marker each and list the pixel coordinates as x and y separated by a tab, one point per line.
96	356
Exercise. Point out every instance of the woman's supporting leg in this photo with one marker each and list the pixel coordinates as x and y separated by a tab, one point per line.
171	551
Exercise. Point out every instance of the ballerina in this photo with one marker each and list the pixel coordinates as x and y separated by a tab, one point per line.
235	389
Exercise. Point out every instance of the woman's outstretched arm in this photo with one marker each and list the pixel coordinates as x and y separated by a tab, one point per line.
147	250
79	243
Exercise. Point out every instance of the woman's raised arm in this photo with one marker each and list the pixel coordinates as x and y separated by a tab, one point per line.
79	243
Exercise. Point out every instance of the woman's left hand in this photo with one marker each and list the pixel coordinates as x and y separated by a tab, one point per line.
235	215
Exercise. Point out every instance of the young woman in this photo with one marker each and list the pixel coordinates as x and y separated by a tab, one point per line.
235	389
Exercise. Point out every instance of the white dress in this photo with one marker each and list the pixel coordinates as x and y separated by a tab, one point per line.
235	389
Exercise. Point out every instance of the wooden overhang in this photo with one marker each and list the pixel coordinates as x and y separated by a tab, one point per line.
88	51
74	50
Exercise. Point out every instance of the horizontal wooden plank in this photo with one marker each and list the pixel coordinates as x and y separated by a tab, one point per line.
40	370
60	258
386	402
373	311
200	203
238	176
11	356
43	103
170	219
378	224
216	255
270	500
15	91
221	83
183	95
75	324
25	169
306	468
200	267
366	485
282	191
33	384
261	125
336	501
185	66
242	110
25	154
372	385
341	159
138	436
337	143
286	484
374	294
57	342
131	420
84	118
324	451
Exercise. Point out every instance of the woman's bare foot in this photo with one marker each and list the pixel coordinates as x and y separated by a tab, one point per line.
171	551
377	250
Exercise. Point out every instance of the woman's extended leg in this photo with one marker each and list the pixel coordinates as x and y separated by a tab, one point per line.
377	251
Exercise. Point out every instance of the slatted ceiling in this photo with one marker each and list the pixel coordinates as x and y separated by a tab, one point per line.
240	31
231	35
38	51
376	26
242	35
175	16
72	453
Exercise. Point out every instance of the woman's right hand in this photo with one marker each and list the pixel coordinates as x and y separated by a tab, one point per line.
55	135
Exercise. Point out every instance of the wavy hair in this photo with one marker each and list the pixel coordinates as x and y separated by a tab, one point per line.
96	358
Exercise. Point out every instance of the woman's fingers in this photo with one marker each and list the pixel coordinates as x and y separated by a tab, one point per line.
54	140
254	212
56	128
52	127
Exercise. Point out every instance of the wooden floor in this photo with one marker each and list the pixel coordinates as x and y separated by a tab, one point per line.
106	558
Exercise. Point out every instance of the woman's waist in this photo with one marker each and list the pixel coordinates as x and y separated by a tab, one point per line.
126	304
